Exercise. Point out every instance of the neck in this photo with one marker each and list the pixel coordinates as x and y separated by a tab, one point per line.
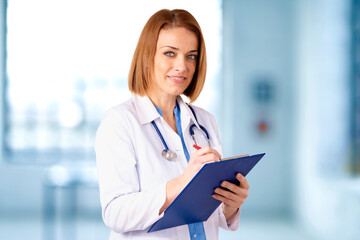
165	103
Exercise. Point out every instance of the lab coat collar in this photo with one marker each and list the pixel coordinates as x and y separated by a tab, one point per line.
185	110
147	111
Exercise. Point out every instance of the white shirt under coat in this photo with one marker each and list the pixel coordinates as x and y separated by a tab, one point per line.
133	173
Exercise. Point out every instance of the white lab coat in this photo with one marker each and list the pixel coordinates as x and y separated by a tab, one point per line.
133	174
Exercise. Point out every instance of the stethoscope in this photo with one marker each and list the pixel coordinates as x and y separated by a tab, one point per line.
169	154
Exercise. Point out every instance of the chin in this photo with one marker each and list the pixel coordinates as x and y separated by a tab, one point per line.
178	91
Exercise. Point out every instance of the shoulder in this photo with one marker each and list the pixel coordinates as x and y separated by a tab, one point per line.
119	117
121	111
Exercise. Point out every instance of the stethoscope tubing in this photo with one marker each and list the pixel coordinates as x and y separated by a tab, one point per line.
161	136
173	154
201	127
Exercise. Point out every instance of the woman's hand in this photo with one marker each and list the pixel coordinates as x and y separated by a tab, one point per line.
197	160
234	197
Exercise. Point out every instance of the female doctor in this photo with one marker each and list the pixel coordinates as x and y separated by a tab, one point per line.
144	148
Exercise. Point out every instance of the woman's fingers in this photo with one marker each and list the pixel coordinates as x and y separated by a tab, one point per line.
242	180
225	200
199	158
243	184
231	187
206	155
232	194
209	158
230	198
207	150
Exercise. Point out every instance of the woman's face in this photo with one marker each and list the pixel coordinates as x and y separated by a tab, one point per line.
174	62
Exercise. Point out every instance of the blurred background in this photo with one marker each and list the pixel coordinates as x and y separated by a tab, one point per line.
283	78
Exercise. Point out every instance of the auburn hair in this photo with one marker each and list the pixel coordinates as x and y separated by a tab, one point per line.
142	64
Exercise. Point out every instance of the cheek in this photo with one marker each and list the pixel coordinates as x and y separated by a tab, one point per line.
163	68
191	66
159	64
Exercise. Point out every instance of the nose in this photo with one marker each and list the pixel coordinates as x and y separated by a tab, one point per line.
180	64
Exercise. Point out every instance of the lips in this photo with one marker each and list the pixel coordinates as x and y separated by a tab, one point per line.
177	79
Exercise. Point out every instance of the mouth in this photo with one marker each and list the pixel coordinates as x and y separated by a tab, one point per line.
177	79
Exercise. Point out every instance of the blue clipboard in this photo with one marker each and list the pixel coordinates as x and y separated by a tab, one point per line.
195	203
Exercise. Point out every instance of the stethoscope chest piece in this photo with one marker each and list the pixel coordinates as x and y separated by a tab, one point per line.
169	154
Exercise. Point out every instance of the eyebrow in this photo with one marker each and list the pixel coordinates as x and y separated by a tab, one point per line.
178	49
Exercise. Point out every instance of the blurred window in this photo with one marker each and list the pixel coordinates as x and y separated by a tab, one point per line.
67	63
356	86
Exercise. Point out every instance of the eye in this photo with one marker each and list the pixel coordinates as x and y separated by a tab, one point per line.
169	54
192	57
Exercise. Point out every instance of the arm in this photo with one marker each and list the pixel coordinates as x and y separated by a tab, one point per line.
124	207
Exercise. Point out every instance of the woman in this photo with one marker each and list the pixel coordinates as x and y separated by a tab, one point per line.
138	180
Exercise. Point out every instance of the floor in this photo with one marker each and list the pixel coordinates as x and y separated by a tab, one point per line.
94	229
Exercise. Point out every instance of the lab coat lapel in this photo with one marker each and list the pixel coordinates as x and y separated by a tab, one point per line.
187	117
145	109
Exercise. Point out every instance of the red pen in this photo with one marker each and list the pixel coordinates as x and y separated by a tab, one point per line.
197	147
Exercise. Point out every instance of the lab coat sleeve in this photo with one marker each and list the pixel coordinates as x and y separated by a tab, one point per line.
124	207
232	224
